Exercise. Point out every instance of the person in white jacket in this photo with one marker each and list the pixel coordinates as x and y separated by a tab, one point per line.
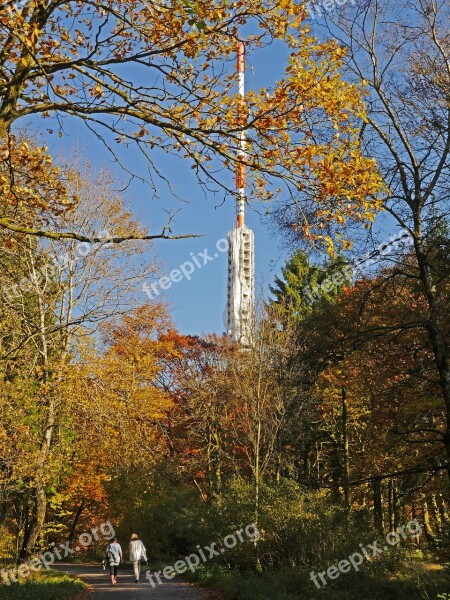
138	554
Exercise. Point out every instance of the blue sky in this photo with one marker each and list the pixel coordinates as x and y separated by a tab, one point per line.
197	305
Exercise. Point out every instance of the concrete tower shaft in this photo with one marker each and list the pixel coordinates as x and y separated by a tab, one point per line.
241	291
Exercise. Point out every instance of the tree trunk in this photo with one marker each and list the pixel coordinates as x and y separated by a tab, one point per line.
396	507
443	509
426	521
391	505
257	490
25	526
377	506
39	491
75	521
336	473
40	502
436	515
416	515
307	464
217	468
345	447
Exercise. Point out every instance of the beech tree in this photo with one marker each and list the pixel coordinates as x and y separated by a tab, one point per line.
159	75
53	294
401	52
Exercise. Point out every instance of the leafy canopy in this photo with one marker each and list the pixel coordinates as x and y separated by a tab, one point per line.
161	75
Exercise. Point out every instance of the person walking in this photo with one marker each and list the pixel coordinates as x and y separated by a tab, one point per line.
113	557
138	554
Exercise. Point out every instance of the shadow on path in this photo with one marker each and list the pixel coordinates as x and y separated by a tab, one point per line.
126	589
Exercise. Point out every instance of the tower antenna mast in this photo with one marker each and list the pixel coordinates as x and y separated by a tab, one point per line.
239	317
241	169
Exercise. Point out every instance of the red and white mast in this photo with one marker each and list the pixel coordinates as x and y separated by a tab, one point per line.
241	172
239	317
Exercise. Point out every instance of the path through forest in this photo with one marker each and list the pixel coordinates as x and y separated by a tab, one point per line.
126	589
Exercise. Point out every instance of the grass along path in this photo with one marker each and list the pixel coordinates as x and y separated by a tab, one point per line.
48	585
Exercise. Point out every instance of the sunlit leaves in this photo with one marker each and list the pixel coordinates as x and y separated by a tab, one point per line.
29	179
165	72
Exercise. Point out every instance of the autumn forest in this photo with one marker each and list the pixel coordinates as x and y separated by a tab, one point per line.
331	429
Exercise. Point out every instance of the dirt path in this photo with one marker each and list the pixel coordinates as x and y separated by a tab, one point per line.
126	589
